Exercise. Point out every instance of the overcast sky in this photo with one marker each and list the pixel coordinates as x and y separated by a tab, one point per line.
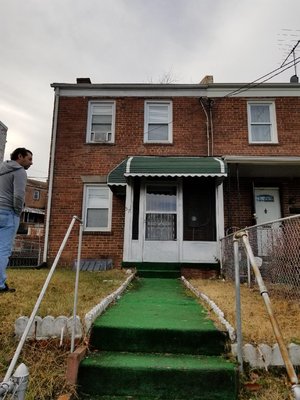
46	41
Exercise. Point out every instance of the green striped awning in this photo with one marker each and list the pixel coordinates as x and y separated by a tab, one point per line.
150	166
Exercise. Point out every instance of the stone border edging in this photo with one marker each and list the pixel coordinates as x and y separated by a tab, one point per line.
99	308
260	356
60	327
213	305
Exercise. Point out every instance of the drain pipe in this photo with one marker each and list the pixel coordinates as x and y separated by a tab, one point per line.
211	126
207	126
51	171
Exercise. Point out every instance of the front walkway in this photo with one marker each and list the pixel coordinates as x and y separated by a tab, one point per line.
157	341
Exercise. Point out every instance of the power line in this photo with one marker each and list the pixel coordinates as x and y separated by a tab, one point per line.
292	51
290	64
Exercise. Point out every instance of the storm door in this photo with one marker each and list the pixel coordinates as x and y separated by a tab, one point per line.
161	222
267	209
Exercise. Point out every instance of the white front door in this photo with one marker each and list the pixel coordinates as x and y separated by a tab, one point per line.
160	230
267	209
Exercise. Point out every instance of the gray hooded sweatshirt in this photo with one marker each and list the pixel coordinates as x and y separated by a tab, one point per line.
13	179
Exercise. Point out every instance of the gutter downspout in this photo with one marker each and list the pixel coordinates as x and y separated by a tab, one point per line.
211	127
207	127
51	170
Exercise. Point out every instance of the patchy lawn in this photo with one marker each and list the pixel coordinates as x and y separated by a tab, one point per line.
256	328
47	360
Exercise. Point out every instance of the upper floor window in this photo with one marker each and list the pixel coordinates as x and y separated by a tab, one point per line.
97	209
36	195
158	122
262	122
101	122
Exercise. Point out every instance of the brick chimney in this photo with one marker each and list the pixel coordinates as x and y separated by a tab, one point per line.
207	79
83	80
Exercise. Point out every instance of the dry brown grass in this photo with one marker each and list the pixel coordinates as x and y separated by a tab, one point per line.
46	359
257	384
256	326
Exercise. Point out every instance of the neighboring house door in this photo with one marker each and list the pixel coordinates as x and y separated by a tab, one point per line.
267	208
161	218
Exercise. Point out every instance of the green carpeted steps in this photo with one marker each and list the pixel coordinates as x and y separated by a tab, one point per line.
157	343
157	316
164	376
149	273
156	270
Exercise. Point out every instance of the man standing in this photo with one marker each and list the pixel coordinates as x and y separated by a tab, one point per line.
13	180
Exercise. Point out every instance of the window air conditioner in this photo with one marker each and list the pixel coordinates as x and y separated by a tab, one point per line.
101	137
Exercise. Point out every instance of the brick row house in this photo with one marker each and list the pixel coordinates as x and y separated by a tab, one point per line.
28	246
33	215
161	172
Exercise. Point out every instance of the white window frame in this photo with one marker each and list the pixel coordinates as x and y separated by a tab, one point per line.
169	122
273	124
87	187
110	137
36	194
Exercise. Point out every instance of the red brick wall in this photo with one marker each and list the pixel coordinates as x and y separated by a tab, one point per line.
75	158
231	129
30	189
239	200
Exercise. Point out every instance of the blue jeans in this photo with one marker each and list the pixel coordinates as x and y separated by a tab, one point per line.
9	223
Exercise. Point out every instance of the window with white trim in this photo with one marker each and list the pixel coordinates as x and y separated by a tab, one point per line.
97	208
36	194
101	122
158	122
262	122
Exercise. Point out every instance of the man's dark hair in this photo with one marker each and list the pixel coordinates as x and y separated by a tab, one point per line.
20	150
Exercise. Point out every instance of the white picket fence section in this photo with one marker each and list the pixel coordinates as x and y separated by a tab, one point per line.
61	327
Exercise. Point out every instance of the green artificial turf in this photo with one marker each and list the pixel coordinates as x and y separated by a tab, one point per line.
157	315
168	376
157	342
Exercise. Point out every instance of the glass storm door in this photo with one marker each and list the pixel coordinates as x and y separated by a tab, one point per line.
160	223
267	208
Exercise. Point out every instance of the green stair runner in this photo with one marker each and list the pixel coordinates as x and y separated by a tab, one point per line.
158	270
157	343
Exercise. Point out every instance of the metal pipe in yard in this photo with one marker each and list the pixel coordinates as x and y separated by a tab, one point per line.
76	287
17	385
38	302
238	305
264	293
296	391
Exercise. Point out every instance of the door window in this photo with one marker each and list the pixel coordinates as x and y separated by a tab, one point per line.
161	212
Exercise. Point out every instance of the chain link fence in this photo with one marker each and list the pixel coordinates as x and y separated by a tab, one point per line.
277	247
26	253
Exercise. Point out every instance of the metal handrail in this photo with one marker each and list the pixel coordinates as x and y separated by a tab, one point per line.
264	293
42	293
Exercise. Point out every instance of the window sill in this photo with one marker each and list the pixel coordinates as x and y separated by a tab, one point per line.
97	233
101	143
264	144
158	143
